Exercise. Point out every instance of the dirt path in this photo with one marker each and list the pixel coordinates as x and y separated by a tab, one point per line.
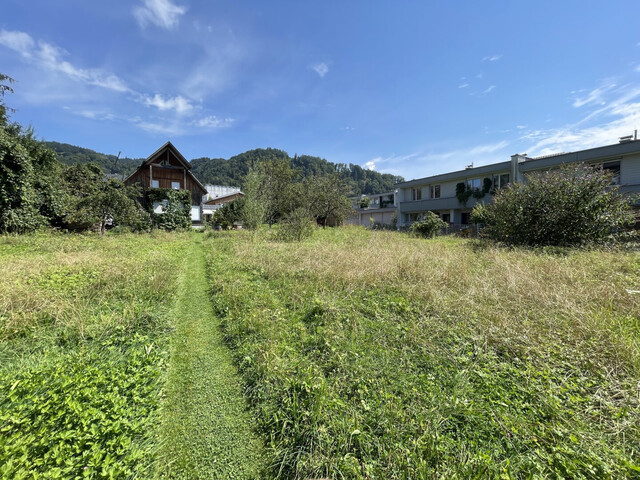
206	431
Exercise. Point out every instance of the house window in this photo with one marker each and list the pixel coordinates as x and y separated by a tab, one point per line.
465	218
175	185
155	183
474	183
500	181
434	191
613	168
416	194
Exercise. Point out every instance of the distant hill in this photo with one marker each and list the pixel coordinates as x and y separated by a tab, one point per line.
219	171
231	172
71	155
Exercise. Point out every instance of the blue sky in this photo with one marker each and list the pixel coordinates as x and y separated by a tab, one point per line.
412	88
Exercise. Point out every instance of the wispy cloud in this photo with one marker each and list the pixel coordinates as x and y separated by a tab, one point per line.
159	128
463	85
492	58
490	89
422	164
175	113
616	113
320	68
162	13
50	57
595	96
178	104
213	122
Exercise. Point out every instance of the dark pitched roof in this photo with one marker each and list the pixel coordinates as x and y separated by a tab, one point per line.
173	149
183	161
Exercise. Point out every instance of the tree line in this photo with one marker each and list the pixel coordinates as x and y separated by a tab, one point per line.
232	172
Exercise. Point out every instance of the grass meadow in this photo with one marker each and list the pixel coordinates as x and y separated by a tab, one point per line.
361	354
377	355
82	352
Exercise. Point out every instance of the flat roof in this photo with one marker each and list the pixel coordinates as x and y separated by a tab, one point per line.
532	163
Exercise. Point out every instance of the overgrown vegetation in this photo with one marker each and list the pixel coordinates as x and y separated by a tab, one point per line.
428	226
273	196
573	205
175	205
446	359
82	348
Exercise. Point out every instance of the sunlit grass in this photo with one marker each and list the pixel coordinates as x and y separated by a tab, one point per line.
378	355
82	350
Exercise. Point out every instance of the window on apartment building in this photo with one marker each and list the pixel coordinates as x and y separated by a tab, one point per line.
500	181
434	191
155	183
446	217
175	185
474	183
614	169
416	194
412	217
465	218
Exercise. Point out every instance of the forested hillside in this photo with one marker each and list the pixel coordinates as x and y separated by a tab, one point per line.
219	171
72	155
232	172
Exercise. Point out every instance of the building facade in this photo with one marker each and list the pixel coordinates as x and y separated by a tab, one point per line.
167	168
452	196
373	210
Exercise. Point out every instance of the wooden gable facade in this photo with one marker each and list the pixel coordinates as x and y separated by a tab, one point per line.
167	168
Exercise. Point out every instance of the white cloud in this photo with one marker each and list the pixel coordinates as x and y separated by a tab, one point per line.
214	122
370	165
488	90
421	164
492	58
619	116
50	57
19	41
320	68
162	13
464	85
159	128
594	96
488	148
179	104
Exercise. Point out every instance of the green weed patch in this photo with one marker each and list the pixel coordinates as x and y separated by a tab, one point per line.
83	350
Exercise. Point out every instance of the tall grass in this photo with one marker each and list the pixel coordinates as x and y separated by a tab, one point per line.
377	355
82	349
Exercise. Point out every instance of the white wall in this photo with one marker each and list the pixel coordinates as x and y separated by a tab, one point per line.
630	170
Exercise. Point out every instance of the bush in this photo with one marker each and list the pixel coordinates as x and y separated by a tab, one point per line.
296	226
177	210
428	226
574	205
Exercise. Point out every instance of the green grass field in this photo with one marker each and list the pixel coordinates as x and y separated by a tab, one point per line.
376	355
354	354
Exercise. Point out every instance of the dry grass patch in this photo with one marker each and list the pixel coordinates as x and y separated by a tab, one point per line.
377	355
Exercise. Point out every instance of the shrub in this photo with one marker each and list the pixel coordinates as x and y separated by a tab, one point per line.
428	226
574	205
177	209
296	226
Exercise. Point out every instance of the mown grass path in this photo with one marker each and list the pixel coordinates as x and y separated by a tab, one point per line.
206	431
